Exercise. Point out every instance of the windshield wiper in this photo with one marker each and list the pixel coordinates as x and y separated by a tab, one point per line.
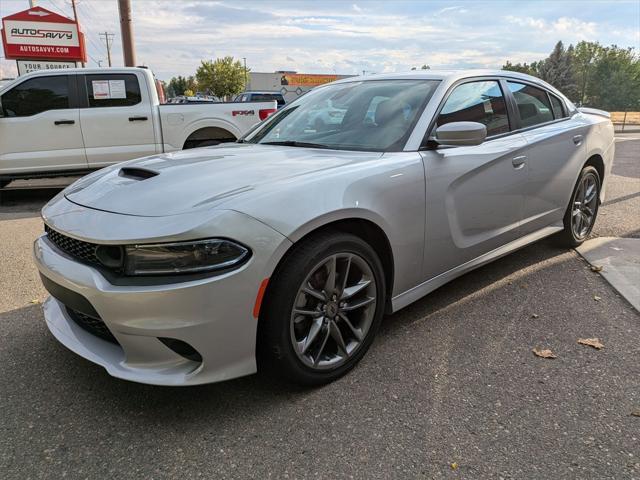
294	143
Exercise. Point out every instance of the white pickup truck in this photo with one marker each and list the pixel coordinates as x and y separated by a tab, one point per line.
63	122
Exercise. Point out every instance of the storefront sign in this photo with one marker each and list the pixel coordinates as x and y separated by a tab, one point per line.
38	33
306	80
28	66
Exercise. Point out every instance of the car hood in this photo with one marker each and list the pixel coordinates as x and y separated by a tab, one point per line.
202	178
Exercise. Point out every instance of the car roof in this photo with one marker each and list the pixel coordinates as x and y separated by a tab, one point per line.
262	92
452	76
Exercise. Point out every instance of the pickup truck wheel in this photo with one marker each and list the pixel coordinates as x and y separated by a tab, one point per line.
208	143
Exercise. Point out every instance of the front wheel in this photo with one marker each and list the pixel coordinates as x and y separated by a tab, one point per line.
582	209
322	309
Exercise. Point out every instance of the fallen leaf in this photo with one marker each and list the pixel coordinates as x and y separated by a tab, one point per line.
544	353
592	342
597	298
35	301
596	268
454	466
534	315
636	413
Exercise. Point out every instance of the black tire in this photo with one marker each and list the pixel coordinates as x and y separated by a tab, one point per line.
275	350
208	143
568	237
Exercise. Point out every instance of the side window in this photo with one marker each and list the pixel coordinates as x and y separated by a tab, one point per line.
113	90
559	110
481	102
36	96
533	104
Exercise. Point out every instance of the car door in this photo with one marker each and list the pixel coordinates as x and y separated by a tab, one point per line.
117	119
474	194
555	152
40	126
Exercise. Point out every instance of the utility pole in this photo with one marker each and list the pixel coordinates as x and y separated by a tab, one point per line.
75	18
245	72
32	3
126	30
108	40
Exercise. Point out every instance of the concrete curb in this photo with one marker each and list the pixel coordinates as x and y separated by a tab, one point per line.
620	262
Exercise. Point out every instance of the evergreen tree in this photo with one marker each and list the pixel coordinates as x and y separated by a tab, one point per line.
557	69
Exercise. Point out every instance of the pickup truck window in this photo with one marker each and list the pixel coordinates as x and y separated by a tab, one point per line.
113	90
35	96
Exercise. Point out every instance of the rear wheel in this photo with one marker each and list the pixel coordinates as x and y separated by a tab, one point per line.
322	310
582	209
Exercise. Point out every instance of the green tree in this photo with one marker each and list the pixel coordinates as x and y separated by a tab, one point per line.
557	69
529	69
585	56
177	86
223	77
614	84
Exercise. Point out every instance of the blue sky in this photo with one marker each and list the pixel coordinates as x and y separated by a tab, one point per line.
345	36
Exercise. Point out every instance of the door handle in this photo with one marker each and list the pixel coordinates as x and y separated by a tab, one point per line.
577	139
137	119
519	162
64	122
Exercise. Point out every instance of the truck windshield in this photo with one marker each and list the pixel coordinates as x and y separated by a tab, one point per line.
373	115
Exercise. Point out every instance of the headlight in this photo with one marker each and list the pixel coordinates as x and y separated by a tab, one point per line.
184	257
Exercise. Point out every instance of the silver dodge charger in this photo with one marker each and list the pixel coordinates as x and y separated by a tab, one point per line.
283	251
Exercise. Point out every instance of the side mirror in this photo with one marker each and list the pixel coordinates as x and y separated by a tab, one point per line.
458	134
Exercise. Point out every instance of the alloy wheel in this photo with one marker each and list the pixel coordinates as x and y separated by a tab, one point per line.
584	206
333	311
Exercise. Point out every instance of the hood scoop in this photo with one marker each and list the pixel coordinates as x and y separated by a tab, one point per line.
137	173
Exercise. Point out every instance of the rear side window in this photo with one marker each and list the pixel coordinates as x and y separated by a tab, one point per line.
559	110
36	96
268	97
481	102
533	104
113	90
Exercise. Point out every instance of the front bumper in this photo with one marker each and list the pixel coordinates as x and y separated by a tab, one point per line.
213	315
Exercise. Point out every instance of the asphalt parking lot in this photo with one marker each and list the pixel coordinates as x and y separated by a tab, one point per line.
450	389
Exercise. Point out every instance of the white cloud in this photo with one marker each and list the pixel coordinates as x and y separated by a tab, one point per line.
346	37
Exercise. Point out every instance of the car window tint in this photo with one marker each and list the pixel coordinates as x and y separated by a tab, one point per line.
113	90
559	110
481	102
35	96
533	104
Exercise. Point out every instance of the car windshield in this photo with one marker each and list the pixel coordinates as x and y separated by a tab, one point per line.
373	115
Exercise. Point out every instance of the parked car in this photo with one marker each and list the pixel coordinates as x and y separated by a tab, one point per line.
61	122
282	252
261	97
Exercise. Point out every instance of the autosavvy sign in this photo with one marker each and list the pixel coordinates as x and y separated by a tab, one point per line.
40	33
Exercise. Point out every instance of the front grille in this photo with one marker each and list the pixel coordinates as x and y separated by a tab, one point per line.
83	251
92	325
